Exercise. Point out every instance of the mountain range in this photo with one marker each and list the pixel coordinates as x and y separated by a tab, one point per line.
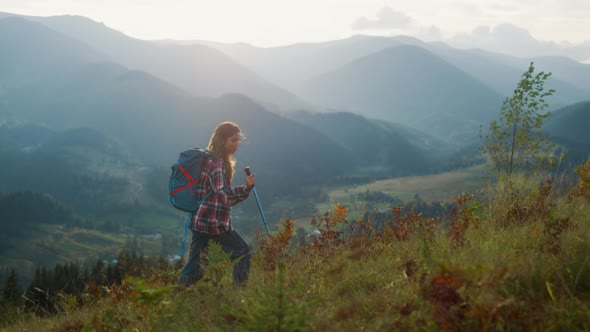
200	70
409	85
372	107
149	116
499	72
372	76
95	118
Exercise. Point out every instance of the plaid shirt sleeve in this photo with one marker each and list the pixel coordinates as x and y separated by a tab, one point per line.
213	216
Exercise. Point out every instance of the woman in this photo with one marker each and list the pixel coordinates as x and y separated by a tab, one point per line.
212	220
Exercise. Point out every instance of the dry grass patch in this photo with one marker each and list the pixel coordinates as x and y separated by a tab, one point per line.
438	187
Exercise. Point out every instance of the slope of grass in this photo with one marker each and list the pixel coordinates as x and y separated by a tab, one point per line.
484	271
438	187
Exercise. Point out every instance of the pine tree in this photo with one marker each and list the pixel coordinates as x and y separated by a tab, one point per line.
11	293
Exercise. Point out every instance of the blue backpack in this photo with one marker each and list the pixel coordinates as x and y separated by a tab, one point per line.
182	185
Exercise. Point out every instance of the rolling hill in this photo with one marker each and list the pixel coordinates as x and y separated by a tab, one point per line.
411	86
497	71
568	126
311	59
152	120
386	149
571	122
31	50
502	72
200	70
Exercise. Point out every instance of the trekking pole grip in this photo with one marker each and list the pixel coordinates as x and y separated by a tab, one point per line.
247	170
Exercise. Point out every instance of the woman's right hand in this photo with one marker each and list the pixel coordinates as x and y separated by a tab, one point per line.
250	181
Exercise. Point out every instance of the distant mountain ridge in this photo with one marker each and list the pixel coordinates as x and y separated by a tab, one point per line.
43	52
502	72
154	120
489	73
409	85
200	70
498	71
571	122
568	126
311	59
378	146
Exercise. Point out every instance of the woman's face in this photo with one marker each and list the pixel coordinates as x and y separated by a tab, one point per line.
231	144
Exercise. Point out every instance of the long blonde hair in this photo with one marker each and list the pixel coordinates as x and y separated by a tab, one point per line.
222	132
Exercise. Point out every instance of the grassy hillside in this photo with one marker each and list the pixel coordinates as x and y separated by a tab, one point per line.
442	187
487	269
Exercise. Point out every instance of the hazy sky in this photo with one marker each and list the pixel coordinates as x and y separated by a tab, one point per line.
279	22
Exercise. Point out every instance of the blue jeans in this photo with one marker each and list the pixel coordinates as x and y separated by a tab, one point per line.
231	242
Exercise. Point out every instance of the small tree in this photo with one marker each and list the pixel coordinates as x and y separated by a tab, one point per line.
515	141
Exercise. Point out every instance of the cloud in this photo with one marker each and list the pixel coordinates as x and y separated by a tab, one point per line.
387	18
511	39
501	36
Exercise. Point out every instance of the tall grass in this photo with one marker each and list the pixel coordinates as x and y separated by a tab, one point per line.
491	265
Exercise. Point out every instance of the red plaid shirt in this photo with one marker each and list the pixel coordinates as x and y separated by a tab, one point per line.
213	217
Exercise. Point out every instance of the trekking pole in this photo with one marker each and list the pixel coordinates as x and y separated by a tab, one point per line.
247	170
